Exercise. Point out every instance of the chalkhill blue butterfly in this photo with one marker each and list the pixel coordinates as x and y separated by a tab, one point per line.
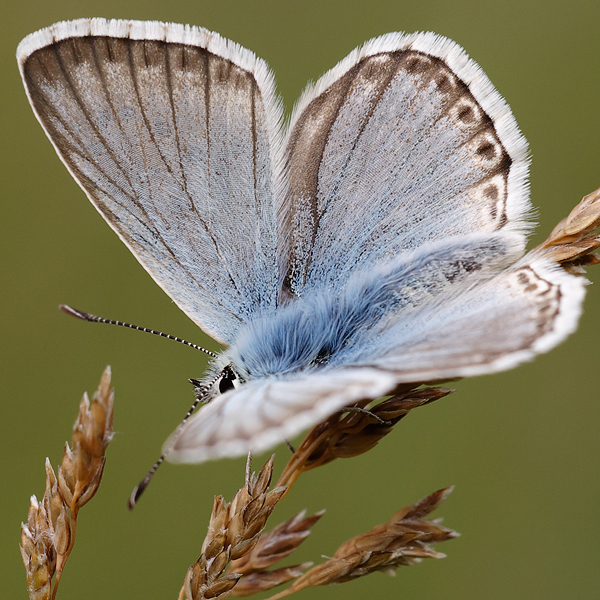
375	239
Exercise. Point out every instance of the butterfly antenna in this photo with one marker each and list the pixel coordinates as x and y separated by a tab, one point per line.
142	485
94	319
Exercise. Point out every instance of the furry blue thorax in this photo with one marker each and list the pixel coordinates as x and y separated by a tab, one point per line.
322	328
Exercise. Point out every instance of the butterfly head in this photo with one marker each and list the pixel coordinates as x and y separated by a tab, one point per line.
221	377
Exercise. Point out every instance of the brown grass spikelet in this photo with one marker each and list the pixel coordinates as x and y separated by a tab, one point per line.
277	544
253	583
573	240
82	466
402	541
233	531
38	540
273	547
48	537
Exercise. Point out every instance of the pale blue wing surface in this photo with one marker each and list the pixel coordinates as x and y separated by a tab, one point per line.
393	221
170	131
492	325
404	142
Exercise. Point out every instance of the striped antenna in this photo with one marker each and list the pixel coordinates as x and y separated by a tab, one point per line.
94	319
201	394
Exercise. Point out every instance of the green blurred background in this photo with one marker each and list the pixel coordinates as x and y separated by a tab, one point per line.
521	447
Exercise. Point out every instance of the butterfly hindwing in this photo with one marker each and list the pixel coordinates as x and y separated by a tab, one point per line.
265	412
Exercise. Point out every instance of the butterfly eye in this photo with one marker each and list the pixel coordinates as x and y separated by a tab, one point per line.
229	381
225	385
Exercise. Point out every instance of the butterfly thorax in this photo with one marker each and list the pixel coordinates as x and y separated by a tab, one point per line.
307	334
320	329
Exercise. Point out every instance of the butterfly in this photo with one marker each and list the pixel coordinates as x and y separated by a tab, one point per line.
375	239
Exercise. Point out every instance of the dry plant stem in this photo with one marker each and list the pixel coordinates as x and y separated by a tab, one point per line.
235	539
235	536
48	538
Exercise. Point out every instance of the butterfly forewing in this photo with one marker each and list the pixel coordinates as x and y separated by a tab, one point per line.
392	149
172	143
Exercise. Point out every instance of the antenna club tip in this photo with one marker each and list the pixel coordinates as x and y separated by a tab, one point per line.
137	492
73	312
